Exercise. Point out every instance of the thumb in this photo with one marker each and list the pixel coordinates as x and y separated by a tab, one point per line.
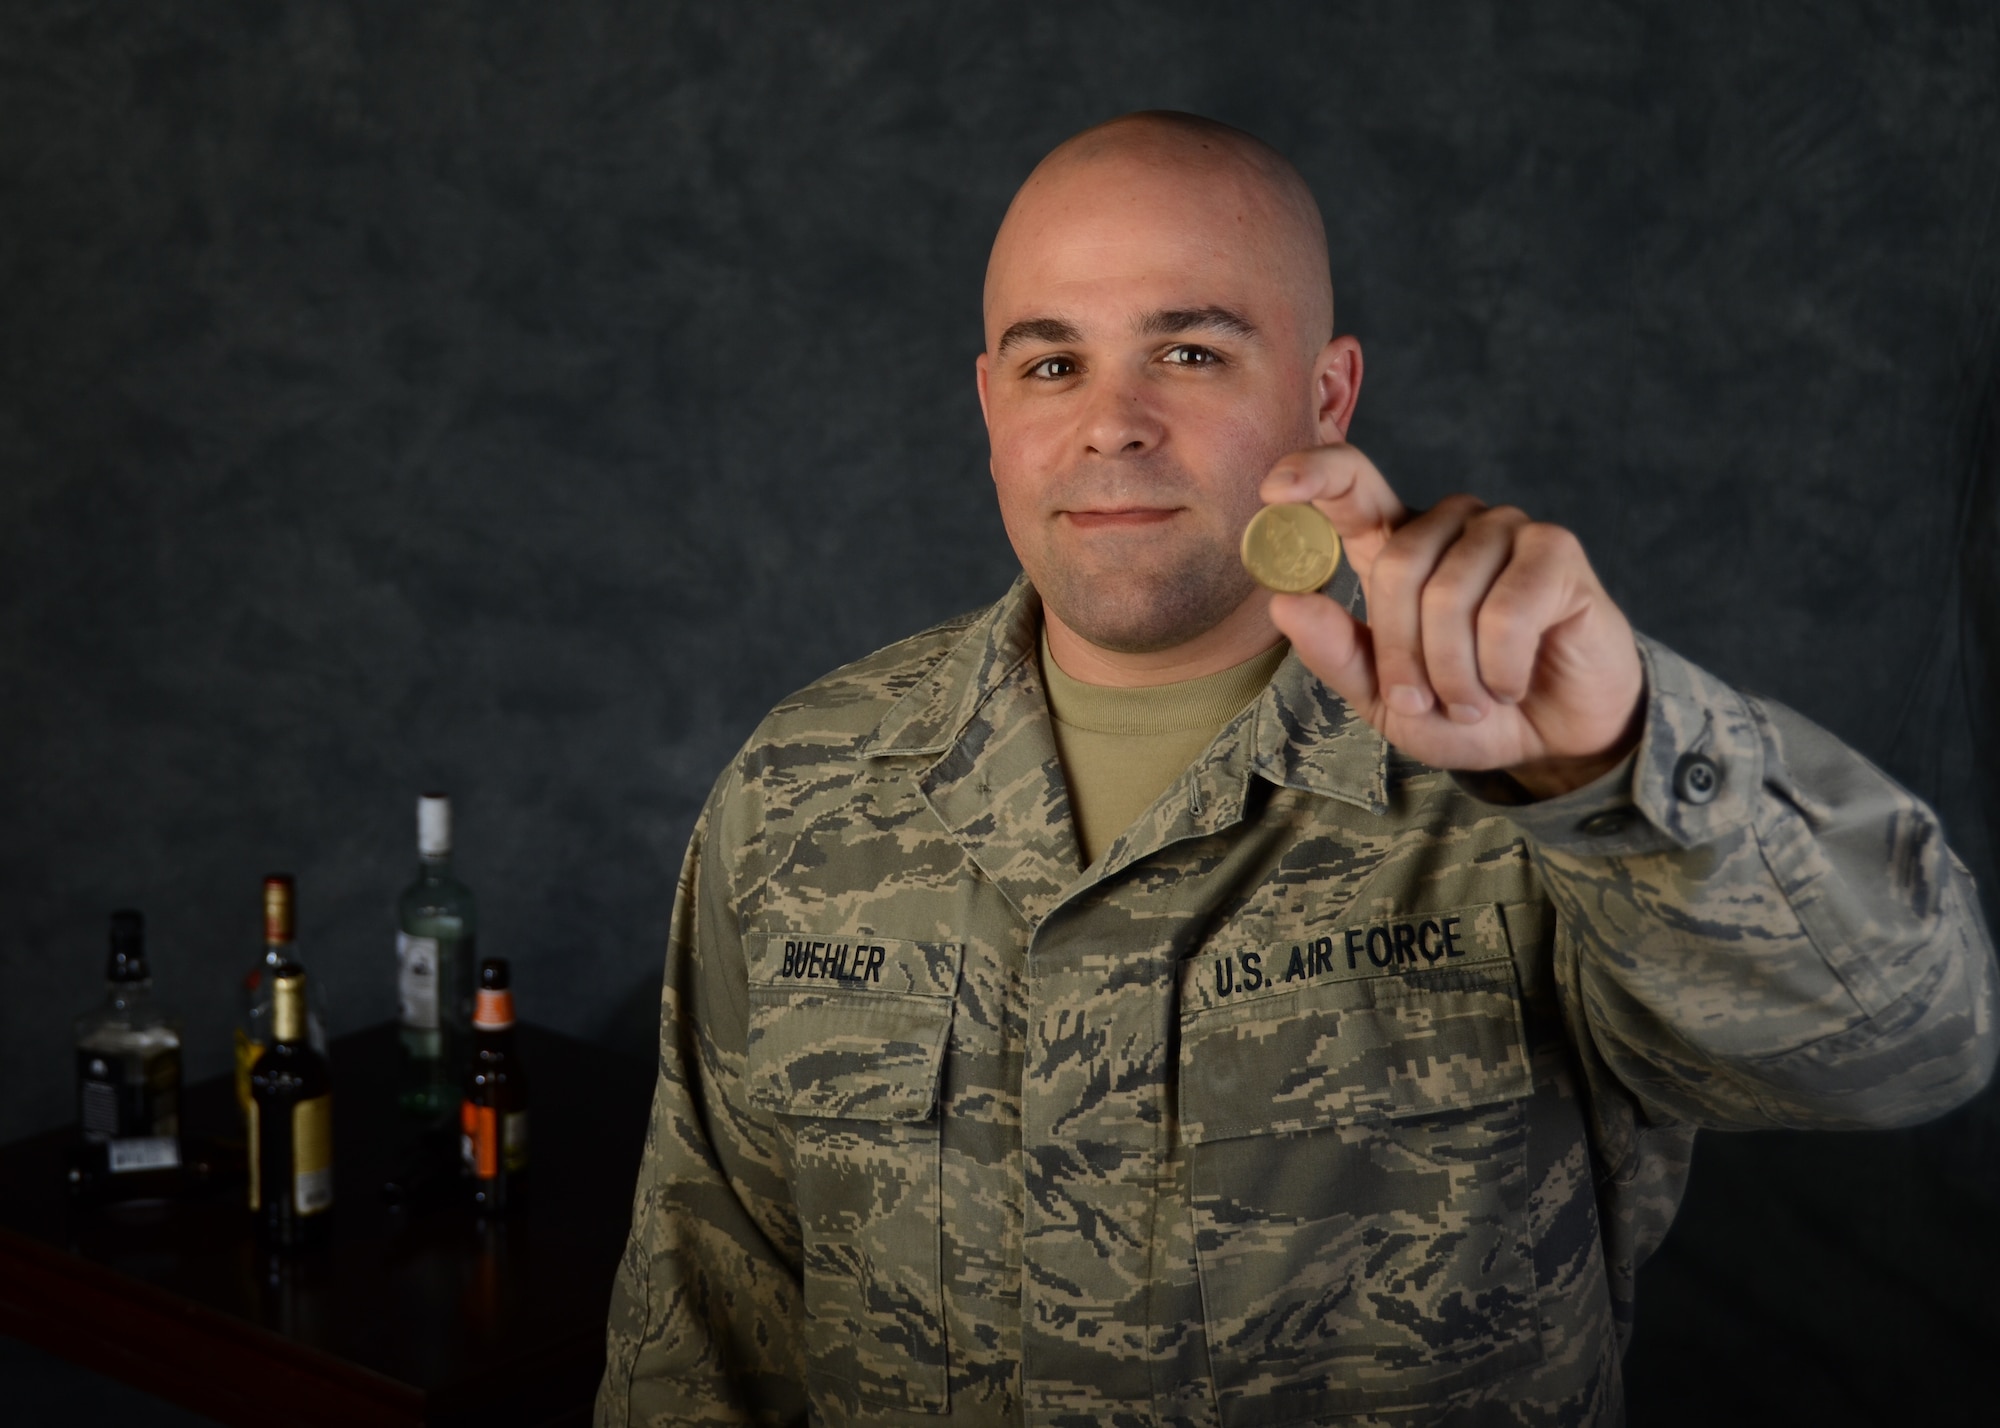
1331	643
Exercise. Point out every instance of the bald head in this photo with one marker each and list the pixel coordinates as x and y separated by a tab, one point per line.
1149	165
1159	331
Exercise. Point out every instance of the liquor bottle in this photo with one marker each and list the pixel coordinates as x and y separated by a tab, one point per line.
494	1114
128	1065
435	931
253	1017
291	1124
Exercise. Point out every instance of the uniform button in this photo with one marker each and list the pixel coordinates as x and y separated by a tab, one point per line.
1610	821
1696	778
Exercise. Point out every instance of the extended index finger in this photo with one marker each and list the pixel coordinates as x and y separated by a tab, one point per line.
1347	488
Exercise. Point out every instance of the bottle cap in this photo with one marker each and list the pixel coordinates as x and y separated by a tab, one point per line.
280	908
494	1009
434	825
128	947
288	1003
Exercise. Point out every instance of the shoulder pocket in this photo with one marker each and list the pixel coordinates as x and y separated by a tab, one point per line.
1372	1049
846	1050
849	1026
1356	1148
855	1055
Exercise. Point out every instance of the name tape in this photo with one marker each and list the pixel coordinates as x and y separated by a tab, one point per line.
1386	948
857	962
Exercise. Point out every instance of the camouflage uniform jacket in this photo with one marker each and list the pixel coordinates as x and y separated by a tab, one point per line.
1332	1090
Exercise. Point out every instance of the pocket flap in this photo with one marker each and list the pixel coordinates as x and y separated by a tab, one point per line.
834	1045
1334	1051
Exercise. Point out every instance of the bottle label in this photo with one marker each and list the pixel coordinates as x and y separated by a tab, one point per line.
162	1071
514	1141
256	1157
493	1010
143	1152
485	1142
490	1141
130	1092
98	1102
312	1155
247	1051
417	980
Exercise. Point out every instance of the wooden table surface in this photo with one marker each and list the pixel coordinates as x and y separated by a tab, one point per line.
416	1314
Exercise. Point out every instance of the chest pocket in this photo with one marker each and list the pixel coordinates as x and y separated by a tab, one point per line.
845	1049
1357	1170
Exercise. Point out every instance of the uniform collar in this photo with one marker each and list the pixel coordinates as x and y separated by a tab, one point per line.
930	716
1306	737
998	784
1301	734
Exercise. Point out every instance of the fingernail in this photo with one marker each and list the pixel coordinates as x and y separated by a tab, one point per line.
1465	713
1284	479
1408	699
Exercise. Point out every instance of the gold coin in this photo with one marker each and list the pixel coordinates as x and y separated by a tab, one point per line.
1292	548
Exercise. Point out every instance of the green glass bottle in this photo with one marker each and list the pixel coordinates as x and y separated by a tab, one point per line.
436	930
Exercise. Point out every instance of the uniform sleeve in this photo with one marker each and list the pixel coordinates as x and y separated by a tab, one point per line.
706	1306
1758	928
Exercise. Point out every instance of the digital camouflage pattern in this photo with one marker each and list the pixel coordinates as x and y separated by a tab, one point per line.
1335	1092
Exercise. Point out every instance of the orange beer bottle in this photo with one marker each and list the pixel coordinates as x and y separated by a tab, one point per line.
493	1117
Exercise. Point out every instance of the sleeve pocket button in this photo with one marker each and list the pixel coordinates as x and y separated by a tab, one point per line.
1696	778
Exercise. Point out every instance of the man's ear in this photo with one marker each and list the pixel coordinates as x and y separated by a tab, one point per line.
1336	388
979	370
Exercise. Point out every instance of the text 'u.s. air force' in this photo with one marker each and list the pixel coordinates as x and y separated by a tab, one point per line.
1387	946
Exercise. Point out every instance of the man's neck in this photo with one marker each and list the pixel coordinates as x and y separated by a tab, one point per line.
1243	635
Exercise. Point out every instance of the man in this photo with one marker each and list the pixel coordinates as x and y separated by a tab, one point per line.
1104	1008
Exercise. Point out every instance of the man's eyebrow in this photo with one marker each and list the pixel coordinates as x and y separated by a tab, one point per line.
1038	329
1173	321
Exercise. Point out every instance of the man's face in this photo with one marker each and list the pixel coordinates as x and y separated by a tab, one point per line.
1144	368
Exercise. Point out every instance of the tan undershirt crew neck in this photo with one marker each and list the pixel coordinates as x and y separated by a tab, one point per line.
1121	747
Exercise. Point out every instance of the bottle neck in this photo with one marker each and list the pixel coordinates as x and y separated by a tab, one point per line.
434	867
128	996
288	1010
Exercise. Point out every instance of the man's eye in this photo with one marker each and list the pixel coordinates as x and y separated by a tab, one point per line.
1186	354
1051	369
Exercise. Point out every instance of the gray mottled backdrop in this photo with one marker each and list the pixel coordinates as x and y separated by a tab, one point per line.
518	398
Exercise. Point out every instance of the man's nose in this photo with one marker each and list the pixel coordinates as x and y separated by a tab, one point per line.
1119	419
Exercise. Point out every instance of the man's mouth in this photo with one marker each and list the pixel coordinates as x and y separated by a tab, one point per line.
1121	517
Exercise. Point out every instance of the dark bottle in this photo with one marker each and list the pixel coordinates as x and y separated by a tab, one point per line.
494	1114
291	1124
128	1076
253	1012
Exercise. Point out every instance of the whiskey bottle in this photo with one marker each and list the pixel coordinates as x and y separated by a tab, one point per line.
253	1016
128	1065
435	930
291	1124
493	1117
